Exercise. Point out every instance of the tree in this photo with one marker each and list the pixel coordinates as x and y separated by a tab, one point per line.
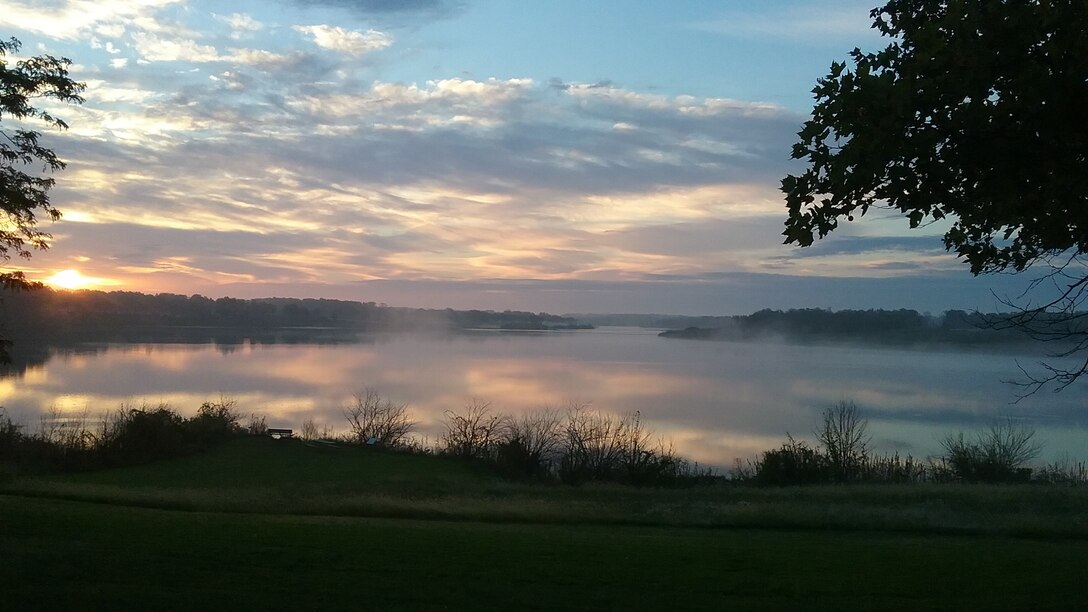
974	112
23	194
844	435
375	420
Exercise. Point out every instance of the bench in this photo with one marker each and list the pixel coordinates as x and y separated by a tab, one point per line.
277	433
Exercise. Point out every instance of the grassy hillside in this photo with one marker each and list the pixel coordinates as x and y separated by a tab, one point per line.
264	524
261	475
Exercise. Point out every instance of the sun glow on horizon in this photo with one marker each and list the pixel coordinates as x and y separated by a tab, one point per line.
72	279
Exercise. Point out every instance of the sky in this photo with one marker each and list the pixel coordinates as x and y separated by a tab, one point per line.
559	156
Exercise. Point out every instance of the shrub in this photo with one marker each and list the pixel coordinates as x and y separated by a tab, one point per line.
1065	472
895	469
126	436
531	446
378	421
138	435
594	445
474	434
11	436
256	425
67	431
643	465
63	441
606	447
997	454
214	422
794	463
662	466
309	430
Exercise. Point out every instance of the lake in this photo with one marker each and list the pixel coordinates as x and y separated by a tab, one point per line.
715	401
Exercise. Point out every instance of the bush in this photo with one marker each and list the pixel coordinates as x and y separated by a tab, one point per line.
593	445
605	447
795	463
1064	472
896	469
378	421
997	454
127	436
139	435
309	430
63	442
66	431
475	434
256	425
589	446
11	436
531	446
214	422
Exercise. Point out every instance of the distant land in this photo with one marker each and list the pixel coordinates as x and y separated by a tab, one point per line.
38	320
651	321
890	327
954	328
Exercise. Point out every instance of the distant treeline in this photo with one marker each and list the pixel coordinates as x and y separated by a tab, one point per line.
46	315
898	327
651	321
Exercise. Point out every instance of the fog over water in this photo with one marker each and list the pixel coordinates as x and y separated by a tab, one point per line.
715	401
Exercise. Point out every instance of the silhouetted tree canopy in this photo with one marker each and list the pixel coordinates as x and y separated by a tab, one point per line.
975	112
24	163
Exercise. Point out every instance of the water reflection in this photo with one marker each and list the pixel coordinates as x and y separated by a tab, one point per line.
714	401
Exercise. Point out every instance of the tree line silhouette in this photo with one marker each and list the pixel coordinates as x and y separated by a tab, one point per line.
894	327
33	319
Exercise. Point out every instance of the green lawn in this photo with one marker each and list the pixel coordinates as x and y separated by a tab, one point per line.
73	555
290	477
281	525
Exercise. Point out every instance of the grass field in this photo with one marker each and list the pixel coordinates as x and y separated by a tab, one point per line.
264	524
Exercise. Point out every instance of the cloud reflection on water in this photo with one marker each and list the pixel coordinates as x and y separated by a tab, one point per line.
714	401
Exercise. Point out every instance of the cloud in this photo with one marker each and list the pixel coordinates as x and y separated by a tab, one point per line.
69	19
697	239
351	42
858	245
520	135
393	106
379	7
266	163
895	265
454	178
241	24
155	48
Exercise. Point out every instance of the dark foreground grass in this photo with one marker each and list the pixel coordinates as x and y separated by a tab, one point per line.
61	555
260	475
263	524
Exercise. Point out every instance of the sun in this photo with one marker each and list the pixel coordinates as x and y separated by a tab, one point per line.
69	279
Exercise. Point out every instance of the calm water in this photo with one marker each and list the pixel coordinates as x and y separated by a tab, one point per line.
714	400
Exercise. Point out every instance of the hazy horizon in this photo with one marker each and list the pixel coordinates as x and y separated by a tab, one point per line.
738	295
743	296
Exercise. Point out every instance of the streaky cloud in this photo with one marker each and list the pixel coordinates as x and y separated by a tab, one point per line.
431	9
